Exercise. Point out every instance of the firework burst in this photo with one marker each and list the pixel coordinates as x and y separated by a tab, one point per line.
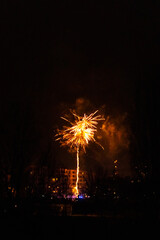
79	134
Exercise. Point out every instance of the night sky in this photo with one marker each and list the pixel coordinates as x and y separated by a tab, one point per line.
55	53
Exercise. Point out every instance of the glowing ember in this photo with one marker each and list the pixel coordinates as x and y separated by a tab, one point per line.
79	134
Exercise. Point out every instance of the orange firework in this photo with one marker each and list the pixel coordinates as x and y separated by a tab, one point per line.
79	134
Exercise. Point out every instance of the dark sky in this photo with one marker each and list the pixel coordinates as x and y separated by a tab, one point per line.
53	53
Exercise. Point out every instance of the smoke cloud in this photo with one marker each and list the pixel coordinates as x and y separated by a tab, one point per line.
115	134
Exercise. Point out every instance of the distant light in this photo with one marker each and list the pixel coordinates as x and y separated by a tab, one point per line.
15	205
80	196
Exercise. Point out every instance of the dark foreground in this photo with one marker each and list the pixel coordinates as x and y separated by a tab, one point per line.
81	220
78	227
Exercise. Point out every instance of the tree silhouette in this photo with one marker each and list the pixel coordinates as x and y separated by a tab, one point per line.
17	144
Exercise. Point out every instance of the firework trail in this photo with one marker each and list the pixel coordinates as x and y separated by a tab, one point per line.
79	134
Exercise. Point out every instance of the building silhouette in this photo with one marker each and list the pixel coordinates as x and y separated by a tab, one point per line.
68	177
